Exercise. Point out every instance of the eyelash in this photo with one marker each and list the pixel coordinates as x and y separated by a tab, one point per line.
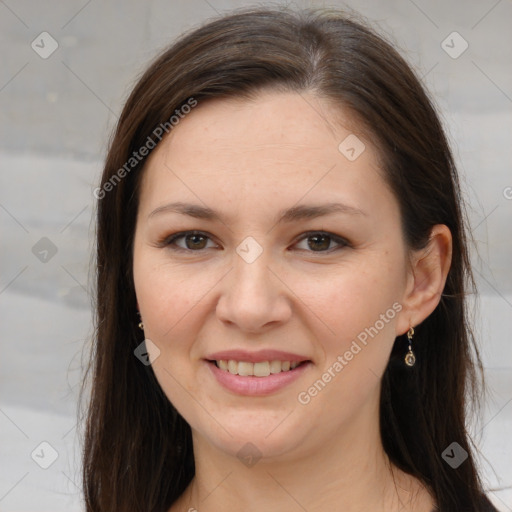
169	241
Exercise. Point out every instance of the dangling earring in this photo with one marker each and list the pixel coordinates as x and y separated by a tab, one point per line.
141	325
410	358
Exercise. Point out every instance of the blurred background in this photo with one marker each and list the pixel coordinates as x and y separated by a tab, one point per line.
66	69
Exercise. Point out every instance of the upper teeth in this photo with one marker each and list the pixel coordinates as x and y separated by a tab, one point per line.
262	369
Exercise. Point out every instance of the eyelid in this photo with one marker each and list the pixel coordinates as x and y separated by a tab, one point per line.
167	241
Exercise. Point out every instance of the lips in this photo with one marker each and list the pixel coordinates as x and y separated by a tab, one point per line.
256	373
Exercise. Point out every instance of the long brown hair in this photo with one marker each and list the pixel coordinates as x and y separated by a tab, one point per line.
137	448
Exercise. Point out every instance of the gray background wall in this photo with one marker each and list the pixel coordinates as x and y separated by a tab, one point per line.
56	114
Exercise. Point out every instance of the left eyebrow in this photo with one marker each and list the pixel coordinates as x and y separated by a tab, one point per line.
313	211
292	214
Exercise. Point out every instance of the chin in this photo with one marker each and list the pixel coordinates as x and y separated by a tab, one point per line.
256	435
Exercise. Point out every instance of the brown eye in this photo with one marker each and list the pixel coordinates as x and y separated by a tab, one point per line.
188	241
319	242
322	242
195	241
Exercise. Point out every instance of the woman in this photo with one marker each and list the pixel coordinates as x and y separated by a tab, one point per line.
282	270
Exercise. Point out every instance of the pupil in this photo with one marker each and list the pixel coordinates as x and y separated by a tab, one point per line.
324	245
196	242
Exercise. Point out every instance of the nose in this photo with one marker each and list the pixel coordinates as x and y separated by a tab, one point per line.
254	296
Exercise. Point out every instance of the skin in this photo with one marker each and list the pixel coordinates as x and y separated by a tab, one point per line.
248	159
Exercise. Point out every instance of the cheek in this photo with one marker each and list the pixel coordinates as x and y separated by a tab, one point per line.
172	301
350	299
358	311
169	295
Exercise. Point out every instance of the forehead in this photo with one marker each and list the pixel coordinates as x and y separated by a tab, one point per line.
275	148
275	122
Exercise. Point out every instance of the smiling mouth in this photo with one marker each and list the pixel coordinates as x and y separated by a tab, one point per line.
260	369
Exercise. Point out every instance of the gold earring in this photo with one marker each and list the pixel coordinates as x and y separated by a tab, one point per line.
410	358
141	325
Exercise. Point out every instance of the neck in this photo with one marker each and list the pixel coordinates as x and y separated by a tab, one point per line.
350	472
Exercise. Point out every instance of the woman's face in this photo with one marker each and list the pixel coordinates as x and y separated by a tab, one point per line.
293	279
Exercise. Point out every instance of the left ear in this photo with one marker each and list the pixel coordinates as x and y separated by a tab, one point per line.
426	279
